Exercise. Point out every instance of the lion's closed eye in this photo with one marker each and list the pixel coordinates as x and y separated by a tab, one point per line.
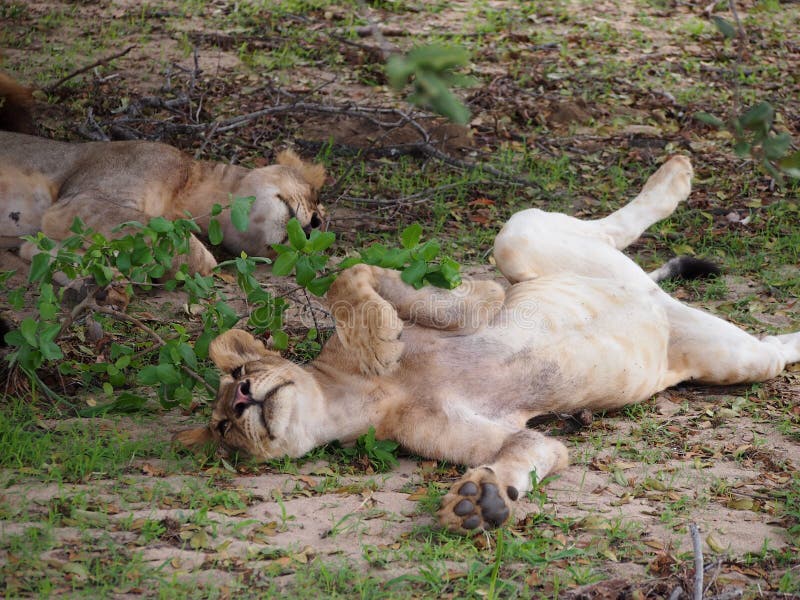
223	427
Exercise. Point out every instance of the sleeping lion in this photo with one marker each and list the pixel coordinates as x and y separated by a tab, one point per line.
45	184
455	375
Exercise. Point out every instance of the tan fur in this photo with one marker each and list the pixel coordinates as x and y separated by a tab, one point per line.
45	185
457	374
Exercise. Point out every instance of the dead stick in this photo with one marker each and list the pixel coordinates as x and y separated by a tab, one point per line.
52	87
698	562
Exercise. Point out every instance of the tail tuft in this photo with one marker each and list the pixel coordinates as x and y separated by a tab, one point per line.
685	267
16	104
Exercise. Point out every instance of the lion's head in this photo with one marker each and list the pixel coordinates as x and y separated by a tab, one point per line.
261	401
282	191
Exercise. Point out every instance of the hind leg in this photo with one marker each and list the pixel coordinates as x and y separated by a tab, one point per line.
706	348
535	243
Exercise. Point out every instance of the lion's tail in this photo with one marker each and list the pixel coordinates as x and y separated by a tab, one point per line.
685	267
16	104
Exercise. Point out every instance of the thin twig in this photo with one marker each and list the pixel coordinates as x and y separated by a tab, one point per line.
54	86
311	309
697	545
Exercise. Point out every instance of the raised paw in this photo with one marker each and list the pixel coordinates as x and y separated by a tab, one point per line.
372	335
384	347
476	502
670	185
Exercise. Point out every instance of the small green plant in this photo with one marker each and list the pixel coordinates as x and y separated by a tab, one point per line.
380	454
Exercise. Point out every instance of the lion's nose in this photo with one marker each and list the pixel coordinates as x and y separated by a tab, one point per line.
243	396
314	223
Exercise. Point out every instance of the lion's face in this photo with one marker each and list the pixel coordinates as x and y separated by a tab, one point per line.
261	400
282	191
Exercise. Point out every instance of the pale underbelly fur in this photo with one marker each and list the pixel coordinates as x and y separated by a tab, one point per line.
560	344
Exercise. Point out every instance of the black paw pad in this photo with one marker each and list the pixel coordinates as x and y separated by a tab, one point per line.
464	508
468	489
472	522
512	492
493	507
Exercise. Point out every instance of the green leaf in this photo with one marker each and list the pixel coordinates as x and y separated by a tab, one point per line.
40	267
202	343
350	261
102	274
724	26
777	146
28	328
123	262
284	264
414	273
216	210
168	374
394	258
160	225
709	119
50	350
411	236
320	240
148	376
240	212
304	272
429	250
214	232
187	355
297	237
280	340
320	286
758	117
434	92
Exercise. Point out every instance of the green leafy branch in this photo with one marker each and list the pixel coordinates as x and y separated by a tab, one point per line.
144	255
419	262
431	71
753	130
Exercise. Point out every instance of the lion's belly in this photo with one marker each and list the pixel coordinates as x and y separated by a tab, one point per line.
561	344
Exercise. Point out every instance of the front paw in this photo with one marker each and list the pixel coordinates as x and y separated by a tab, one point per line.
374	339
476	502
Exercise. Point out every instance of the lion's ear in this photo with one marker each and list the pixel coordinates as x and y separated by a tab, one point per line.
313	174
235	348
193	437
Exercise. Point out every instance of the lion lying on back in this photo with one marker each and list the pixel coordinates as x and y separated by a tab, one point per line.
45	184
456	375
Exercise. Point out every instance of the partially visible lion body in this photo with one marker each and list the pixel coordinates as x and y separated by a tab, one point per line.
456	375
45	184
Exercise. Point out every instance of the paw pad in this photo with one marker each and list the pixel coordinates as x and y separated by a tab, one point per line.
477	503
